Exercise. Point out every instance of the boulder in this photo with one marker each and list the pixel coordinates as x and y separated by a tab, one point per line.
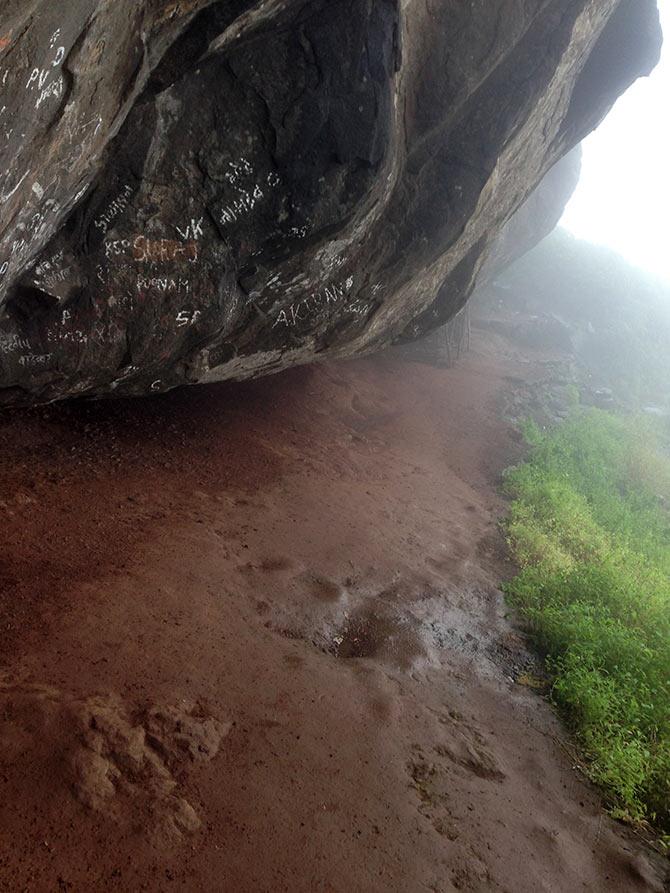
197	190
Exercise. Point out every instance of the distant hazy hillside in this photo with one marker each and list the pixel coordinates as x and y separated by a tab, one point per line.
618	315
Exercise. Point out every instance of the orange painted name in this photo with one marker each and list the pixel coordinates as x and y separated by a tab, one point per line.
152	250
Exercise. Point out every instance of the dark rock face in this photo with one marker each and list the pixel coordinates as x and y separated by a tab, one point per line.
197	190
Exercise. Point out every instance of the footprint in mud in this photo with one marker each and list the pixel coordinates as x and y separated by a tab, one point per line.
323	589
434	802
386	637
433	783
473	757
274	564
362	408
449	569
368	415
433	778
468	748
242	502
453	562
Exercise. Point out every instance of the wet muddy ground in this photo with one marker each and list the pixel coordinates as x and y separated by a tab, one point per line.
253	640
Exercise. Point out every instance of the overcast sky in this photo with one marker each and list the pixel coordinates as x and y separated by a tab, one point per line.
623	199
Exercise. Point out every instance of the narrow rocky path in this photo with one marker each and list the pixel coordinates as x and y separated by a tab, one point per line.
252	640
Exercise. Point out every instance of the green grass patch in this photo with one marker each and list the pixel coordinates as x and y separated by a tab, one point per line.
589	527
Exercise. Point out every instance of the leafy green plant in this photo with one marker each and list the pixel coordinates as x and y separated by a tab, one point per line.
589	526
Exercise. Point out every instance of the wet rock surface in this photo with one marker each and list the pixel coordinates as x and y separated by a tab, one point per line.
199	190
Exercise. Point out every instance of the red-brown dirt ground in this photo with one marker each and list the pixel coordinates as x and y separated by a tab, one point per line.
252	640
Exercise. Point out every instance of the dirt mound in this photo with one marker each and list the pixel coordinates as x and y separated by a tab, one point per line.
125	768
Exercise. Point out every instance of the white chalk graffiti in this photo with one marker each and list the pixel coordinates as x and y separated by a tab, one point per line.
34	228
165	284
32	360
242	205
188	317
55	88
13	343
18	247
114	209
57	277
64	333
299	232
193	230
123	301
358	307
51	264
39	76
115	247
335	294
76	337
250	190
238	170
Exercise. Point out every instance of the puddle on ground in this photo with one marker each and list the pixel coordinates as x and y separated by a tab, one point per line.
393	639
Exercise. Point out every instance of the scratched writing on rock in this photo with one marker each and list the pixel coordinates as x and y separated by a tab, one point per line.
332	295
38	80
177	284
144	250
35	360
250	188
32	229
50	265
188	317
51	272
10	343
71	336
116	207
98	332
192	230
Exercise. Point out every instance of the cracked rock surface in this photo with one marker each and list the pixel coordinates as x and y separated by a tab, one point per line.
194	190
